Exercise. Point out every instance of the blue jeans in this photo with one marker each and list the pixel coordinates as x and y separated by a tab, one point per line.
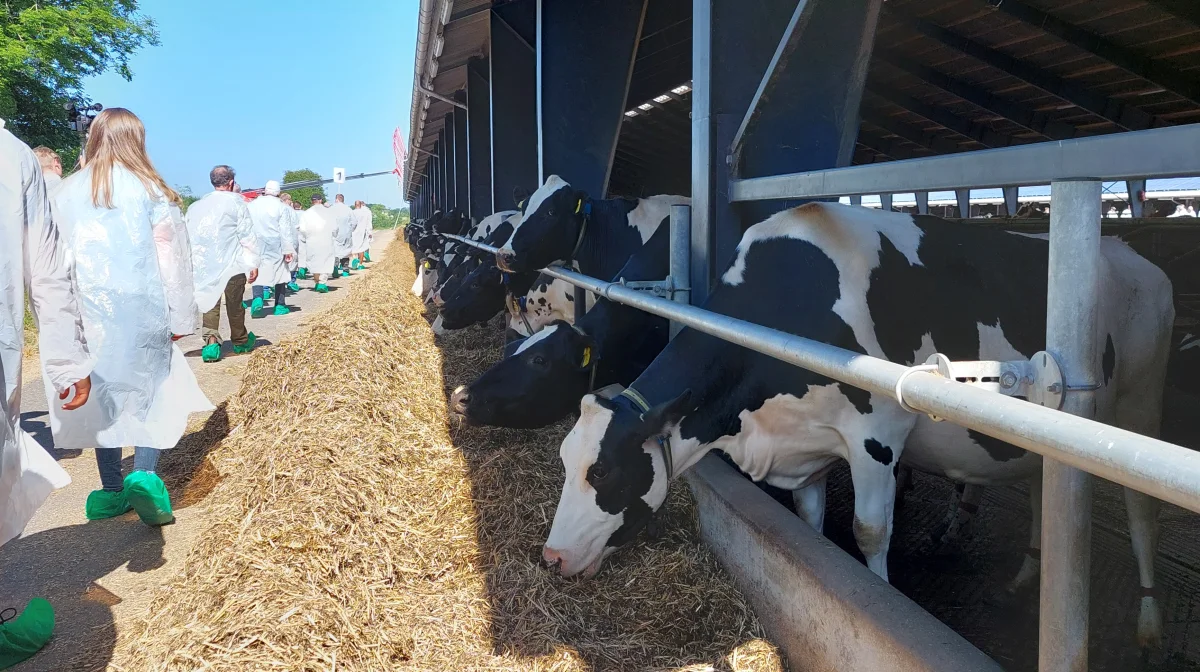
108	461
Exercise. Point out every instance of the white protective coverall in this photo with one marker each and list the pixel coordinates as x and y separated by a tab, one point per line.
317	229
276	238
133	271
343	219
362	230
294	223
223	244
32	257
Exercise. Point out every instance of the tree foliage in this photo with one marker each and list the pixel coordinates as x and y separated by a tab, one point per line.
188	197
47	49
303	195
383	217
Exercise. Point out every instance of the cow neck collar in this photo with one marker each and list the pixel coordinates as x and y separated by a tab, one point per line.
664	441
517	306
586	212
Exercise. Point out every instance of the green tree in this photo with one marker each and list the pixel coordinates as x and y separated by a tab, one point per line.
188	197
47	49
303	195
383	217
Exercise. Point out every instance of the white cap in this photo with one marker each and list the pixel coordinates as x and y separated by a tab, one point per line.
272	188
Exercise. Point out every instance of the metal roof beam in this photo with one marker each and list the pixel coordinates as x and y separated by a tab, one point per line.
1126	116
938	145
1188	10
943	117
1022	115
890	147
1127	59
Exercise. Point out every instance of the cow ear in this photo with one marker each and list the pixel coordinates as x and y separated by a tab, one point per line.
581	197
668	412
520	195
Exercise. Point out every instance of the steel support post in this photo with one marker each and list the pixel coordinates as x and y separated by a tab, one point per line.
585	54
885	202
681	252
922	202
856	200
449	154
1011	201
462	176
964	202
435	182
479	138
1071	309
513	80
1136	190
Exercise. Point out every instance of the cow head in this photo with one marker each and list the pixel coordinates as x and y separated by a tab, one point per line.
426	277
452	222
616	477
541	383
478	297
548	230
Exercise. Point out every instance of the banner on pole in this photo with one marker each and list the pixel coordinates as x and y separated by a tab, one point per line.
398	149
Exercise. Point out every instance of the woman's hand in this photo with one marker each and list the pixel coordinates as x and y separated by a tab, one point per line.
83	389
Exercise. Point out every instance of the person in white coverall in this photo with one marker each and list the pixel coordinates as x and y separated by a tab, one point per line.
301	265
134	278
362	233
294	224
33	259
224	252
277	248
343	219
317	230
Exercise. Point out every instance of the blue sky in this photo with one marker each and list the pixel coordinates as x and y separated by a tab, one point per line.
268	86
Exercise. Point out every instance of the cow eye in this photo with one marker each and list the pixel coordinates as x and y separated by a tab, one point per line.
538	360
598	472
550	212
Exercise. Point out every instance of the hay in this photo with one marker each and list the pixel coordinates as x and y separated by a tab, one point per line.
354	528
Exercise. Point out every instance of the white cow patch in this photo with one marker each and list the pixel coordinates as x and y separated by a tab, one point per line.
536	338
553	184
650	213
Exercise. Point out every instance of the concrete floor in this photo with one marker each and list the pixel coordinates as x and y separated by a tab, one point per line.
101	575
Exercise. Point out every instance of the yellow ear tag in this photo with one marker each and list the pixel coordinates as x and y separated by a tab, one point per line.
520	205
587	357
579	206
428	265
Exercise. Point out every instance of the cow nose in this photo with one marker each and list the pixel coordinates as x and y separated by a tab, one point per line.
503	261
459	400
437	299
552	557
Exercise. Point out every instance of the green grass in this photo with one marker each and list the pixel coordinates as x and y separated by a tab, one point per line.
30	330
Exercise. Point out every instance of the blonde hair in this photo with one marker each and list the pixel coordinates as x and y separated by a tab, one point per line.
117	136
47	157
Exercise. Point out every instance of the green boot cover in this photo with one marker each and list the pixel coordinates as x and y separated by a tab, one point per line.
321	287
103	504
354	265
211	352
282	310
292	286
148	496
247	346
256	307
301	273
366	256
268	292
26	634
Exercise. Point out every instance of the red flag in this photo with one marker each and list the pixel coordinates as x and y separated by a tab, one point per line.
398	149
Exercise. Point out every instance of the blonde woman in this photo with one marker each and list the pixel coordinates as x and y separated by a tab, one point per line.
133	268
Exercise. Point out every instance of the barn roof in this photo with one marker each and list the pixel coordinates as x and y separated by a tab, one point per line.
946	75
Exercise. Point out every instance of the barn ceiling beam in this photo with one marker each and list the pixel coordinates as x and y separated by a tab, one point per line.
893	147
1019	114
941	116
934	143
1127	59
1188	10
1127	117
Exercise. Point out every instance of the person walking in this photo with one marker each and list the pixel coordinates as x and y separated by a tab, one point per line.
224	251
33	260
134	275
343	219
362	232
301	248
317	230
52	168
277	247
293	222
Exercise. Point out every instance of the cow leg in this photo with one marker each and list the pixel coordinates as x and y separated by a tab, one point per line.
962	510
1027	576
874	499
1143	533
810	503
904	484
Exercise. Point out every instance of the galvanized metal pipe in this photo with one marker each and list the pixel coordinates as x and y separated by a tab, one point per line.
1169	472
1072	300
1162	470
681	257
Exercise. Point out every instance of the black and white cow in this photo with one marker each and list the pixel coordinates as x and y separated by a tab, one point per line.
444	256
563	225
543	381
549	300
886	284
